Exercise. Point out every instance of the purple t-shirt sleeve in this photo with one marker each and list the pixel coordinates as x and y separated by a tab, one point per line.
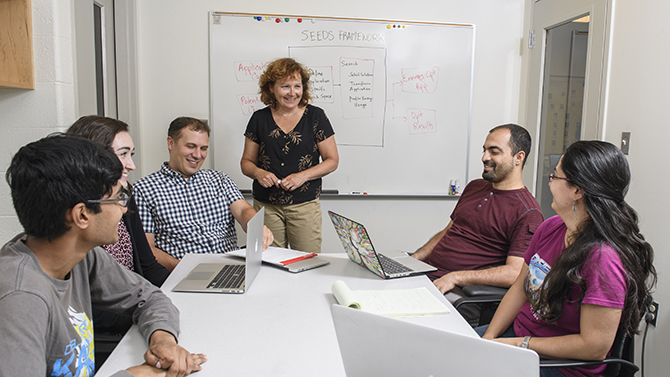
605	278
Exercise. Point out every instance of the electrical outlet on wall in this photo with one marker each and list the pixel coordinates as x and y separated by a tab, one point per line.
652	313
625	142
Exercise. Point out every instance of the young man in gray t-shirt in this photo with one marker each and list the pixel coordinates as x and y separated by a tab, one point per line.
68	199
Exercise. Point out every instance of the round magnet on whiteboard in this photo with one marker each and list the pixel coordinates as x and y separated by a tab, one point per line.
388	26
299	20
287	19
258	18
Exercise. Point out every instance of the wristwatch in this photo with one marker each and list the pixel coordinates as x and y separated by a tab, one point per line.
524	342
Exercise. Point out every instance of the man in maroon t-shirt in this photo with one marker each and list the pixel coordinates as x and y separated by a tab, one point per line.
492	222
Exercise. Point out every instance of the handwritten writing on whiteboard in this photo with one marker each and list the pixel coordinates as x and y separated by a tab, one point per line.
250	103
422	121
419	80
321	81
248	71
342	35
357	79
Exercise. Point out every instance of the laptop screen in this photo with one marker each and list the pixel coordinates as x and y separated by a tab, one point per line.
356	242
254	247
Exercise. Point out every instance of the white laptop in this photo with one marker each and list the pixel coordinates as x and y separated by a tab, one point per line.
387	264
229	277
374	345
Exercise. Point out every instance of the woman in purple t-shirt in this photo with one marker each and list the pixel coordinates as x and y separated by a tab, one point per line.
585	270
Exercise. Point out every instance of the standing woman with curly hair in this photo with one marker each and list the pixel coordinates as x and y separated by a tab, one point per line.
289	145
587	271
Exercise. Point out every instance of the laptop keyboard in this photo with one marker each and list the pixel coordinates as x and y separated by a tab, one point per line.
392	267
230	276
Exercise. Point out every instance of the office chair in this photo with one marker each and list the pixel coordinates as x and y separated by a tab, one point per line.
487	297
619	363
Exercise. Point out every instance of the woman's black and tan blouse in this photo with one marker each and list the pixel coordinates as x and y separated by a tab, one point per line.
286	153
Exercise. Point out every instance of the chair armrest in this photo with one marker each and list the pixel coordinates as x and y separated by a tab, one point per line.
483	290
476	300
480	294
566	363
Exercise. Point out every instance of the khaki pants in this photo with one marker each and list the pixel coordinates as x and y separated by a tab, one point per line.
297	226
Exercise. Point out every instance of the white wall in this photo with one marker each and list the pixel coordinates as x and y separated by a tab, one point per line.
638	101
28	115
173	69
174	81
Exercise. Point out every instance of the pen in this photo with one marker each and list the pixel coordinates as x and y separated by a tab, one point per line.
303	257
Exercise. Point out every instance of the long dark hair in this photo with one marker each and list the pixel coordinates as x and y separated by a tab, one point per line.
601	171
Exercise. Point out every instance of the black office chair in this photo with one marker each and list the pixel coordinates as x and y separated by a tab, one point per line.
619	363
485	297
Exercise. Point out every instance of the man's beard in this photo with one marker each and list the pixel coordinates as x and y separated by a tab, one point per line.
497	172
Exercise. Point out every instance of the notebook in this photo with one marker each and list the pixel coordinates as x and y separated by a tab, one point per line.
287	259
387	264
205	276
395	303
374	345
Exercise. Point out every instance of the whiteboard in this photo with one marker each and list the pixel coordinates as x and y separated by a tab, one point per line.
398	95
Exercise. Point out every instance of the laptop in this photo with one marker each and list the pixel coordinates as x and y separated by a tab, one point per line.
374	345
387	264
229	277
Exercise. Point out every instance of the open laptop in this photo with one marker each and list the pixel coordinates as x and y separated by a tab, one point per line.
374	345
387	264
229	277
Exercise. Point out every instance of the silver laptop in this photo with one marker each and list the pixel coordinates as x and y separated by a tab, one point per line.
230	277
387	264
374	345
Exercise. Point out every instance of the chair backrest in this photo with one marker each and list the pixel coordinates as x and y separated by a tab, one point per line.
622	348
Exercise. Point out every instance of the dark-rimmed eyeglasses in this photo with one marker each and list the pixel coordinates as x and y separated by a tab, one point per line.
553	176
122	200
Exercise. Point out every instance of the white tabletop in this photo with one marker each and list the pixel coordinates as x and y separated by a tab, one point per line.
280	327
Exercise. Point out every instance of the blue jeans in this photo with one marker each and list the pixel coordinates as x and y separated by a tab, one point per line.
509	333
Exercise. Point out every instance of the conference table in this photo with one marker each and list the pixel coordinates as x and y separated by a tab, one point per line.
281	326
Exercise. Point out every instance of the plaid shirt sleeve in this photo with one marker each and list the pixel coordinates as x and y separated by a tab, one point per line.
143	209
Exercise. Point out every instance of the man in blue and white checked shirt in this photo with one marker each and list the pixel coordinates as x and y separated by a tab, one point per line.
185	209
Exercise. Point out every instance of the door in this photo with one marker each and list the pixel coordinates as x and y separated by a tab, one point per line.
566	83
95	57
106	61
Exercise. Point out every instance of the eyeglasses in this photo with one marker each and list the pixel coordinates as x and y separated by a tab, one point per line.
122	200
553	176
